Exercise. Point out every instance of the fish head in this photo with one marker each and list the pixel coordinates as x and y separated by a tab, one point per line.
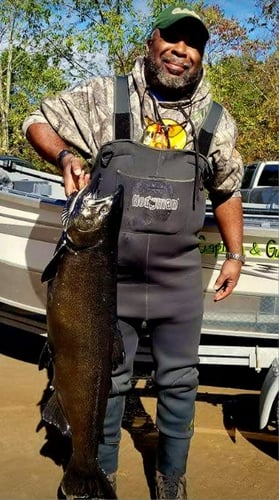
88	218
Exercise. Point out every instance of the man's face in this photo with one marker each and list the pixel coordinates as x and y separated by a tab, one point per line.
174	59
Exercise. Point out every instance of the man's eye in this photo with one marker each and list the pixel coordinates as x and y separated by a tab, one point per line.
169	36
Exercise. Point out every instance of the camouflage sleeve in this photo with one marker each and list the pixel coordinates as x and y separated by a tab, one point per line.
79	115
35	117
226	161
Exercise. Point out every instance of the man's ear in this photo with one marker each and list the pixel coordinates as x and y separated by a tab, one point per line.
148	44
149	41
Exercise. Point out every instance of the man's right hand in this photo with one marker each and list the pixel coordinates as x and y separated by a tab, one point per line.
48	145
74	175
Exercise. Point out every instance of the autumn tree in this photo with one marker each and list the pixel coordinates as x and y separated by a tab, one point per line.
246	80
46	45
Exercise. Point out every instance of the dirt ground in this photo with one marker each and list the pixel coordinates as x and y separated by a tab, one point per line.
230	458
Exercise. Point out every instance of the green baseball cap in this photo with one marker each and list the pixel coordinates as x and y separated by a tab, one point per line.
174	13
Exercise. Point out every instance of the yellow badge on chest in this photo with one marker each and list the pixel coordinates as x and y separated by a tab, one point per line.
166	135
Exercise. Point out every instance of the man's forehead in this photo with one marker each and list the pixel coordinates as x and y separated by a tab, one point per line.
186	25
179	31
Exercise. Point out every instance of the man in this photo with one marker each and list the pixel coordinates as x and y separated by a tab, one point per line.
160	287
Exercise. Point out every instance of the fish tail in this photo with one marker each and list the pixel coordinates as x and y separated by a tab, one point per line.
80	484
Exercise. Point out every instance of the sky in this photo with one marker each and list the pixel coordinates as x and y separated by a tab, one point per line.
239	9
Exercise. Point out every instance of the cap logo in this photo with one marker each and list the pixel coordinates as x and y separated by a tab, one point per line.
179	10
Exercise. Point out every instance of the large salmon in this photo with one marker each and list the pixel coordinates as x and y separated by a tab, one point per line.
83	336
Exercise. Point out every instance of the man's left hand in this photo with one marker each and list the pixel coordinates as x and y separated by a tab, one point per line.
227	279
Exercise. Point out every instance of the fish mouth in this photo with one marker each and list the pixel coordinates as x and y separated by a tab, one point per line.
75	197
81	206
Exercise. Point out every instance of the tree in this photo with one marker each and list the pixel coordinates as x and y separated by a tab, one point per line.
246	82
32	78
46	45
23	72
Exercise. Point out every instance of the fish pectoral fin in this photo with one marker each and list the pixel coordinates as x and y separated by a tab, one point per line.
118	351
51	268
52	414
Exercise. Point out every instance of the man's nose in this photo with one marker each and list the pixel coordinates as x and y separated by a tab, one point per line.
180	47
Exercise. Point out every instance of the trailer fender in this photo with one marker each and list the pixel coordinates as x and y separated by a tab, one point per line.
269	392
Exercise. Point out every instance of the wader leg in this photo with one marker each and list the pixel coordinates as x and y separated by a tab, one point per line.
175	420
109	448
175	349
121	383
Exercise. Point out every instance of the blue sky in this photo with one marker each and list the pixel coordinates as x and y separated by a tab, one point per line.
240	10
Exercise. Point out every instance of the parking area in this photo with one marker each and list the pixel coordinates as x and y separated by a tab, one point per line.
230	458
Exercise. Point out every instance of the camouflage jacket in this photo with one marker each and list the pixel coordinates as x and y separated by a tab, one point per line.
83	117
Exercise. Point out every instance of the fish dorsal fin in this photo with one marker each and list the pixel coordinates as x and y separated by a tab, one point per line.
45	358
51	268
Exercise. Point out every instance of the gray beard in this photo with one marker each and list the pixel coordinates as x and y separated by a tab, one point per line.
168	87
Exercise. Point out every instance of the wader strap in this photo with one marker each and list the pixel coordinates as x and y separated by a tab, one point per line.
122	117
121	108
208	128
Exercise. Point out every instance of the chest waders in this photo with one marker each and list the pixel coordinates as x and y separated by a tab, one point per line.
164	208
159	274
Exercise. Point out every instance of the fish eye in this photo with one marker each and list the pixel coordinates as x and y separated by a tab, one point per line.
103	211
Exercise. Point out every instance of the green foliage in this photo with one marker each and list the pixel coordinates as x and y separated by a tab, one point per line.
246	88
33	78
47	45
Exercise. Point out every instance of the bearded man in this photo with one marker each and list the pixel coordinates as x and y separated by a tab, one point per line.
163	173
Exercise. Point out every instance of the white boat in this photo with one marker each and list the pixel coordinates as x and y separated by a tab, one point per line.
30	226
31	204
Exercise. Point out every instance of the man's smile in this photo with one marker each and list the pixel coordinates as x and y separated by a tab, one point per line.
175	67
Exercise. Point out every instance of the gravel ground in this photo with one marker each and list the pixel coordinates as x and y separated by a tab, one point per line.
230	458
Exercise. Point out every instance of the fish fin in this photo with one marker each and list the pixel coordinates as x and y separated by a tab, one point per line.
52	414
51	268
118	351
91	484
45	358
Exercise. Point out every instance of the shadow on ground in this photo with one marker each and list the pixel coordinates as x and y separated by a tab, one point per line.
19	344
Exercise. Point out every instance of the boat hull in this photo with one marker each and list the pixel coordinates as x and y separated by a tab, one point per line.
30	227
29	231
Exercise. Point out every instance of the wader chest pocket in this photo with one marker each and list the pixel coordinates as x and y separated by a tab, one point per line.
159	186
154	204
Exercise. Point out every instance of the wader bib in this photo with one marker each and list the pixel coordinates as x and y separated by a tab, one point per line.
164	208
159	278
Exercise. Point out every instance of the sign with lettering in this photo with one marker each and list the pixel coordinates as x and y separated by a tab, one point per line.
267	249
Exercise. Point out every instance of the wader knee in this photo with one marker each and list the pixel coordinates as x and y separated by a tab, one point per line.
175	420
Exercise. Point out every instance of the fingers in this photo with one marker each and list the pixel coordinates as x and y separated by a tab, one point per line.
83	179
74	176
224	291
227	279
